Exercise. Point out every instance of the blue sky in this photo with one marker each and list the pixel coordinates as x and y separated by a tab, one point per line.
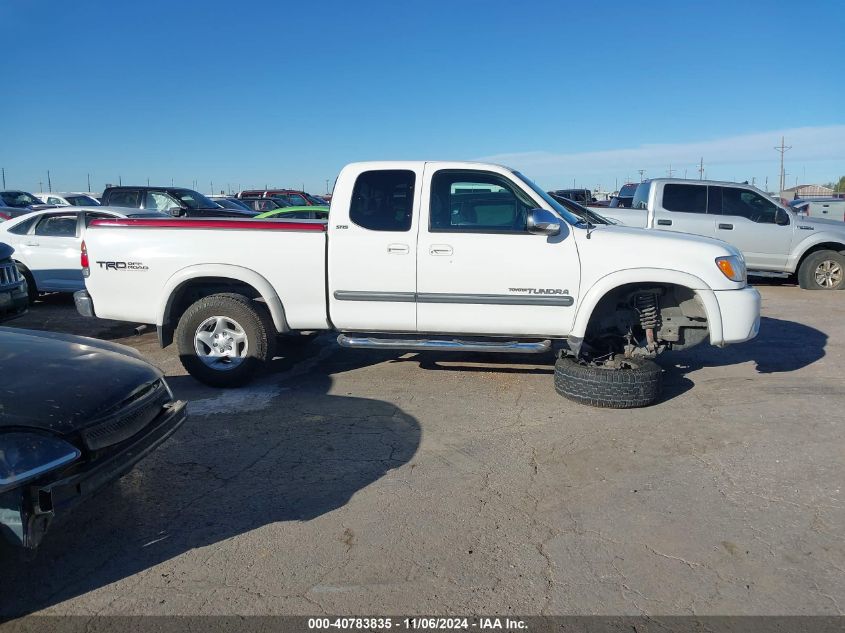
286	93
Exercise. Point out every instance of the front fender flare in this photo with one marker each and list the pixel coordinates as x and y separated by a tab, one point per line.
613	280
813	239
226	271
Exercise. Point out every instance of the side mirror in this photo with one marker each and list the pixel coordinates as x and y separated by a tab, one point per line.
543	222
175	211
782	218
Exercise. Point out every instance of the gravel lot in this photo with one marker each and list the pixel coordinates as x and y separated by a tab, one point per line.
353	482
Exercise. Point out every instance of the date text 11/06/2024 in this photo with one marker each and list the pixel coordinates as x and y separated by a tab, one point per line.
416	624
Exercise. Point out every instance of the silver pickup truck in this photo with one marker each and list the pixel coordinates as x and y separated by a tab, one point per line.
772	238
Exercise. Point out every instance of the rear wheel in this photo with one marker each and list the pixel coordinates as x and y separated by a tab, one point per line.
31	288
822	270
626	384
224	339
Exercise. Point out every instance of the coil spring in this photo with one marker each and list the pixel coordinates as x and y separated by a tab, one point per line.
646	305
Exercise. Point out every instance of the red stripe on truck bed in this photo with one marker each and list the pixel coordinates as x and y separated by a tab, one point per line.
192	223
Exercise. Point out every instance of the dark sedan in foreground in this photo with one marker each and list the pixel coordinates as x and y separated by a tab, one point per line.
75	415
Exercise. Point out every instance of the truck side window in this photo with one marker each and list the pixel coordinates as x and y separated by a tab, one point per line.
382	200
473	201
685	198
125	199
747	204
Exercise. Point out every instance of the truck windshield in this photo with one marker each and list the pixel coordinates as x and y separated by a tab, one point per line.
641	196
554	204
194	200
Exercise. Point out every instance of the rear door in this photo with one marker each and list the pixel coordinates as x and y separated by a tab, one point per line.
754	224
373	252
682	207
480	271
51	252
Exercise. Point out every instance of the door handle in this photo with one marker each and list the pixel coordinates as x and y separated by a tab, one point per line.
440	249
31	244
727	227
665	222
398	249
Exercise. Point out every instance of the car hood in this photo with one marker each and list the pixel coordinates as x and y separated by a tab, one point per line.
59	383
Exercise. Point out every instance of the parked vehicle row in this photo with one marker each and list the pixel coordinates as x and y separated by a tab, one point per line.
772	238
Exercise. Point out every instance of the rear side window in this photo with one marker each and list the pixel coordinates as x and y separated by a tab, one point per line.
383	200
23	227
57	226
641	196
685	198
125	199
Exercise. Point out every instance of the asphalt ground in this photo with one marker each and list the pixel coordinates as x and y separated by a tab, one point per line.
356	482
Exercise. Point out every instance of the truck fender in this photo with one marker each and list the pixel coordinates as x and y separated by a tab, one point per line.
605	284
227	271
814	238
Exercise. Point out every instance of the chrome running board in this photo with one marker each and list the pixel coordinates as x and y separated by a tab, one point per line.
444	345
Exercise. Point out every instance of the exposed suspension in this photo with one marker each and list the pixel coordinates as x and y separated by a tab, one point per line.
648	309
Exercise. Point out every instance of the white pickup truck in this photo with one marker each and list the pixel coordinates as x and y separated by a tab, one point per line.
773	239
425	256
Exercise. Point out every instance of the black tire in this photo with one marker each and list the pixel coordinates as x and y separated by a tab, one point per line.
807	272
252	318
637	386
31	288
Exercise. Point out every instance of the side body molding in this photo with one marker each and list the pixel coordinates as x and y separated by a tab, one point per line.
226	271
613	280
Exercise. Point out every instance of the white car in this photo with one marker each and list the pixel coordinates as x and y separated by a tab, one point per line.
69	198
444	256
47	244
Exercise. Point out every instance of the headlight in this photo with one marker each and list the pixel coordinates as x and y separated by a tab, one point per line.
732	267
25	456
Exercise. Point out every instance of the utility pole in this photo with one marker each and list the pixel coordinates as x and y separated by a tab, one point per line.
4	178
148	181
212	187
40	185
49	183
327	185
701	169
89	182
783	149
642	171
671	171
685	173
119	181
767	184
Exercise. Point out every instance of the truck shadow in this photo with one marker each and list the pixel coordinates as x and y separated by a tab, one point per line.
244	460
780	347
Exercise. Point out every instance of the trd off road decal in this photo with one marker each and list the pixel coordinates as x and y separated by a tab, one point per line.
122	266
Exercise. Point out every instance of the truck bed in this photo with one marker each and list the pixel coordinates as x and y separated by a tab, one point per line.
132	259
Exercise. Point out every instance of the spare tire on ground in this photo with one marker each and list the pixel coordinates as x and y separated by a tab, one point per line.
628	384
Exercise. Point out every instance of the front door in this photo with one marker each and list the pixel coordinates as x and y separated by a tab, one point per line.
479	269
373	256
753	224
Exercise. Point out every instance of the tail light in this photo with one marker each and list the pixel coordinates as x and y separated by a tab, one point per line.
83	260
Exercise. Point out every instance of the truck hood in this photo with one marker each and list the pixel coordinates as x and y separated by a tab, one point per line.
614	248
823	224
59	383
